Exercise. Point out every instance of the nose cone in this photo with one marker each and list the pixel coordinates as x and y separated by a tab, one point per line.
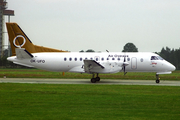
170	67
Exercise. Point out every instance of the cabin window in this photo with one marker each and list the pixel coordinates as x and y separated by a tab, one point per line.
141	59
80	59
128	59
107	58
91	58
85	58
118	58
102	59
70	59
112	58
65	59
75	59
96	59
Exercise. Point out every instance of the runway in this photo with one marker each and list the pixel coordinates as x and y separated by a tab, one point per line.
87	81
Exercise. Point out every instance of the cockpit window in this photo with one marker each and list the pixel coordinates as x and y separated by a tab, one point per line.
156	58
160	58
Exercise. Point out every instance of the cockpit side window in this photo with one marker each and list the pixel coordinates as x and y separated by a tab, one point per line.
156	58
160	58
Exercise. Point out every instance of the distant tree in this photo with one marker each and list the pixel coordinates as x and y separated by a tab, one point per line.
166	54
90	50
81	51
130	47
172	56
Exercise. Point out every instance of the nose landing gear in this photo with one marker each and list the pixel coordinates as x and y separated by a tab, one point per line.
157	78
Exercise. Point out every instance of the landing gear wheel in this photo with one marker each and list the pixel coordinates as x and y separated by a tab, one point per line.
157	81
93	80
97	78
157	78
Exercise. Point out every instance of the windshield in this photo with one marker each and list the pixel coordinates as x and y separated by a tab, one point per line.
156	58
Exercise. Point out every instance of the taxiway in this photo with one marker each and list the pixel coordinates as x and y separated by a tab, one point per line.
87	81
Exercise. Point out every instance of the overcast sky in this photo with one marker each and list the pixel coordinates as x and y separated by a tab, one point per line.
100	25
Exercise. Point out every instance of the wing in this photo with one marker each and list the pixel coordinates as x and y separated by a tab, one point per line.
91	65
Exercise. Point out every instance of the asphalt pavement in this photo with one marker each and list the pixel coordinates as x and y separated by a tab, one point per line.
87	81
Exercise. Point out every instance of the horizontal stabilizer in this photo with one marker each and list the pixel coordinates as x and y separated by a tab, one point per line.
22	53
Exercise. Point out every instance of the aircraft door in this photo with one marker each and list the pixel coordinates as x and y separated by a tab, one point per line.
134	63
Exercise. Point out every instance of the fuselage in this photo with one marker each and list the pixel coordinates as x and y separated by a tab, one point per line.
113	62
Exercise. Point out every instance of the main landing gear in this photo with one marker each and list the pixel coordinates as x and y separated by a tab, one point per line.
94	79
157	78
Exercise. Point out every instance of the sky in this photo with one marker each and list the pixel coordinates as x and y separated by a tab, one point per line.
101	25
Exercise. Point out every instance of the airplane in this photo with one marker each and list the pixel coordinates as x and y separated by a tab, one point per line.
25	53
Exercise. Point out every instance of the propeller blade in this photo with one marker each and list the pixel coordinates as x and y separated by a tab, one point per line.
124	66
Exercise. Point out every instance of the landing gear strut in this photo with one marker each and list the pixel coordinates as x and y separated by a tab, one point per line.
157	78
93	79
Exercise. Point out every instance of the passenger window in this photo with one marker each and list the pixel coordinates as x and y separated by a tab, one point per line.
75	59
107	58
102	59
96	59
118	58
91	58
141	59
65	59
112	58
70	59
128	59
80	59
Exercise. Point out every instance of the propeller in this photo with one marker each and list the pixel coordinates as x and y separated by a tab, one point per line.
124	65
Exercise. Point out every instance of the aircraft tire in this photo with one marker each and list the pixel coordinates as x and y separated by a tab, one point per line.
97	78
93	80
157	81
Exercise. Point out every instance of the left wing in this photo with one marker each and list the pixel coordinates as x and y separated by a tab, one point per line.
91	65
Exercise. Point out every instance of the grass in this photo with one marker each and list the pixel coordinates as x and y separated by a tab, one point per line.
67	102
36	73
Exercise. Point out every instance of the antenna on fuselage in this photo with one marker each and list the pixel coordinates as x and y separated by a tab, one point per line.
107	51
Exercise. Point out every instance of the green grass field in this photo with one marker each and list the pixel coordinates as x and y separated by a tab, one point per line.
36	73
80	102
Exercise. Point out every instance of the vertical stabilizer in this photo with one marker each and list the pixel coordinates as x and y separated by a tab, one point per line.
18	39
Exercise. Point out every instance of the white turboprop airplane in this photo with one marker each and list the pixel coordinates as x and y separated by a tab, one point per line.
25	53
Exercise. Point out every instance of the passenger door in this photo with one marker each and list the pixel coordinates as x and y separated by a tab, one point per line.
134	63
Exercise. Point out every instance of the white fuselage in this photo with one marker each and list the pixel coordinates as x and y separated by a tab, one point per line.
113	62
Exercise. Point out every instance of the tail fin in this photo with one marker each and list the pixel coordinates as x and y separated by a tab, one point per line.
18	39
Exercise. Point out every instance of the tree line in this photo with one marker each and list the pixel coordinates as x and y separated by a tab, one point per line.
171	55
